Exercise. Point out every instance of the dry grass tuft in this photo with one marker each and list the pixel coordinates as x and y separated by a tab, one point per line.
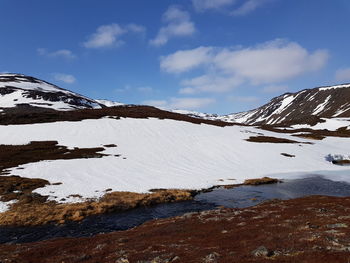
259	181
39	212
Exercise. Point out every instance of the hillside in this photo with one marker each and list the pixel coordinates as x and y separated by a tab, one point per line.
20	91
303	107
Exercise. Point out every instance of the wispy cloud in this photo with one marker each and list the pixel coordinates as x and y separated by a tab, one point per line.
181	103
203	5
109	35
66	78
268	63
177	24
130	88
342	74
248	7
229	7
61	53
184	60
210	82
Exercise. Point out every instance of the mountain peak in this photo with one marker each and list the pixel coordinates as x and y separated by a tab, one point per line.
17	90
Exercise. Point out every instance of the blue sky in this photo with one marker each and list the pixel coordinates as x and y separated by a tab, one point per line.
217	56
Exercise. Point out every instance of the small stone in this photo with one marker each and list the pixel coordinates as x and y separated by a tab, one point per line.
262	252
122	260
211	258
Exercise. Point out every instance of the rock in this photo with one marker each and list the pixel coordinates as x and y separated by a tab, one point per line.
262	252
211	258
122	260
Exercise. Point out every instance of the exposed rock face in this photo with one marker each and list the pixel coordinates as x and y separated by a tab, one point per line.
23	91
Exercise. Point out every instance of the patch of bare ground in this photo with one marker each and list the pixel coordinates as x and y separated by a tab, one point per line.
313	229
255	181
310	136
308	133
341	162
269	139
260	181
15	155
28	115
21	189
288	155
31	211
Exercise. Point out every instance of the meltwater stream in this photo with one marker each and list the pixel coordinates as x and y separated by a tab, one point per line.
237	197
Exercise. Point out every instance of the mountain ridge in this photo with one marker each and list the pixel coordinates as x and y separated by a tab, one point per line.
305	106
18	90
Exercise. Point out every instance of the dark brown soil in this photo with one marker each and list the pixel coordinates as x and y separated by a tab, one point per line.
310	133
269	139
39	115
15	155
313	230
341	162
310	136
19	188
288	155
15	187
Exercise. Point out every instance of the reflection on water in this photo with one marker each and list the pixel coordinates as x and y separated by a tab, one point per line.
242	196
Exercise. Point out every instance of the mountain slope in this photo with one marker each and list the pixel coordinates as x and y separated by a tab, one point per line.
23	91
299	107
306	106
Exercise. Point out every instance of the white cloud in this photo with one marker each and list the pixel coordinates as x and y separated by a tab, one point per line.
226	68
66	78
270	62
109	35
342	74
203	5
229	6
181	103
184	60
178	24
209	83
135	28
275	89
62	53
249	6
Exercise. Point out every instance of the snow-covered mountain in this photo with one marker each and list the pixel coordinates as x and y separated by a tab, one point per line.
305	106
18	90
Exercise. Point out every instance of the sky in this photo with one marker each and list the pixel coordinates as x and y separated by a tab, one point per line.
215	56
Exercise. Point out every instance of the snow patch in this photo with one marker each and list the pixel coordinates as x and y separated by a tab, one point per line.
163	154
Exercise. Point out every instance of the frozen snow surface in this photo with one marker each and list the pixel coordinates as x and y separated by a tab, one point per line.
329	124
167	154
4	206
